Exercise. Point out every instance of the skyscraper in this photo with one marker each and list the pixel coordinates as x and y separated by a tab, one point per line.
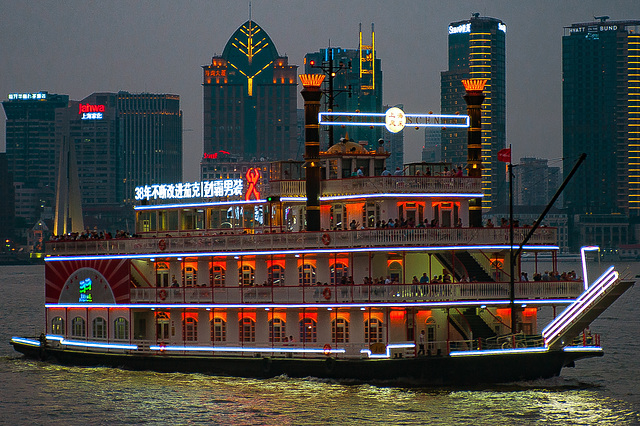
477	50
31	149
601	116
353	83
535	182
250	98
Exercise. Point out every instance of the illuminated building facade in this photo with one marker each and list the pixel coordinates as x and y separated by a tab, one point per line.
7	206
477	50
601	116
250	98
356	86
535	183
31	149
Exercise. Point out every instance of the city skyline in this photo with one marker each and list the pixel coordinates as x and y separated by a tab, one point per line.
82	48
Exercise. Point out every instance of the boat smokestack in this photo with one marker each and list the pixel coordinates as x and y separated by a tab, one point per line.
474	98
311	94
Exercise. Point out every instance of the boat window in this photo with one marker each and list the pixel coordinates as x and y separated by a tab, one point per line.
308	330
276	330
373	330
172	220
338	271
246	275
187	219
99	328
307	274
276	275
216	276
57	326
247	328
162	274
190	329
190	276
121	329
218	330
78	327
162	325
340	330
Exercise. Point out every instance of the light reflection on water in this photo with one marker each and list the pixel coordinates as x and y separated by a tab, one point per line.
601	391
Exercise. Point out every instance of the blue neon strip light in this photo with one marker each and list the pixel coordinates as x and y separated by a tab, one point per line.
211	204
98	345
498	352
304	305
583	251
555	328
24	341
582	349
388	352
309	251
243	349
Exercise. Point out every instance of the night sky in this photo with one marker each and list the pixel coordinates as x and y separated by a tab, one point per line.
81	47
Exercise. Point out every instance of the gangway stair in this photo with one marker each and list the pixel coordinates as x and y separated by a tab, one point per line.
577	316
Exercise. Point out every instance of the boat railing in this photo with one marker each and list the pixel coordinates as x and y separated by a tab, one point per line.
154	244
358	293
379	185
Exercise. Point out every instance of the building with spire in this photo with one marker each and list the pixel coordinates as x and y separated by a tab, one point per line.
477	49
250	99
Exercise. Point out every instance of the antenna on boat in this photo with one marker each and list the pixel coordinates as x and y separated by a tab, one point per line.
530	234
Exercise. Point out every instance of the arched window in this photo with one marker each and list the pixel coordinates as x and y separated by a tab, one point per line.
190	330
190	276
276	330
162	325
78	327
372	330
121	329
276	275
216	276
162	274
338	271
308	330
340	330
57	326
218	330
247	330
246	275
307	274
99	328
395	271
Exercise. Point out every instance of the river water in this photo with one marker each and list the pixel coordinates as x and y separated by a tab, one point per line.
603	390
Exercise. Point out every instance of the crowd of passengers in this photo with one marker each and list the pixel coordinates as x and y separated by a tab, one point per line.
93	235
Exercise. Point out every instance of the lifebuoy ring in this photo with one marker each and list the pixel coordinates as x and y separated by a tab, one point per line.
326	239
326	293
162	294
327	349
162	244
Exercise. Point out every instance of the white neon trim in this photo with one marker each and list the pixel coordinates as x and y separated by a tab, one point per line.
579	301
389	347
407	195
243	349
511	351
582	349
583	251
293	252
54	337
187	205
24	341
98	345
443	304
554	329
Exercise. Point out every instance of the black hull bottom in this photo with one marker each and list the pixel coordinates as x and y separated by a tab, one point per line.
422	371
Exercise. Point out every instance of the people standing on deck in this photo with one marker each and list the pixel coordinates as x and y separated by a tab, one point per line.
360	172
421	343
424	278
386	172
398	172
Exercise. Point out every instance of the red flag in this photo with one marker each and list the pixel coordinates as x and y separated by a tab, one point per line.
504	155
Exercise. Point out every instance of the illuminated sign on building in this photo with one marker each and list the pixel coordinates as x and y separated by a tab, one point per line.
85	290
206	189
91	112
463	28
214	155
394	119
27	96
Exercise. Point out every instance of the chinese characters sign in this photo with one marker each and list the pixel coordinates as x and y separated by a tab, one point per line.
91	112
206	189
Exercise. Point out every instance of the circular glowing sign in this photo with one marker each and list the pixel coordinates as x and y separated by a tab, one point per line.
395	120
